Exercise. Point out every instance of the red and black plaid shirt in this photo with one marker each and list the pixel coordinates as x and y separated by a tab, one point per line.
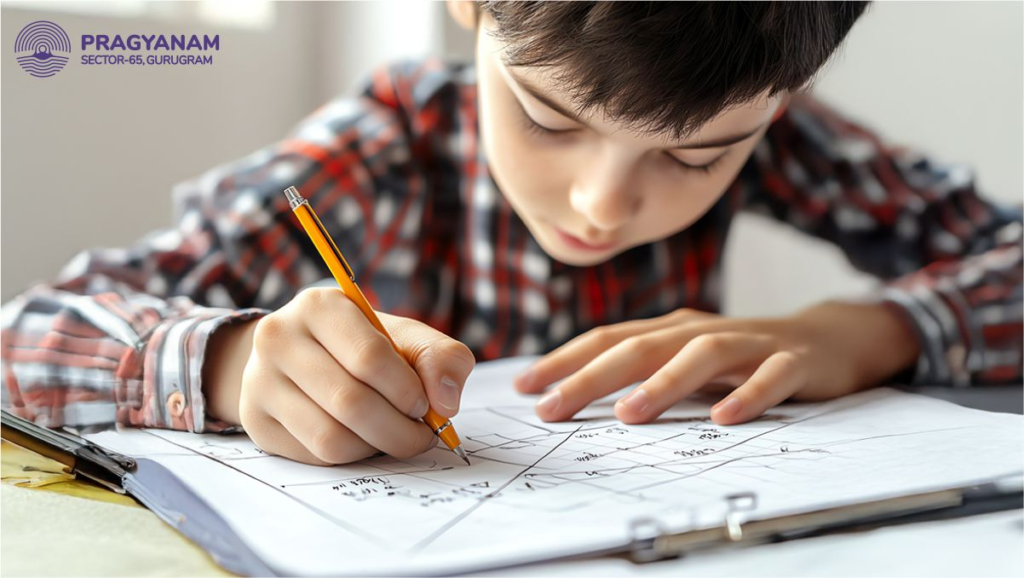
399	179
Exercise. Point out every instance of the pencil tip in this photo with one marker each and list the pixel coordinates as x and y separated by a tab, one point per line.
462	454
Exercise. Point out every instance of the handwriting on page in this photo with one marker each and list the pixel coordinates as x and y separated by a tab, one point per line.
547	489
527	468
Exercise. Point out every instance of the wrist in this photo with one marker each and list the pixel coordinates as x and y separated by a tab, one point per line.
874	336
227	353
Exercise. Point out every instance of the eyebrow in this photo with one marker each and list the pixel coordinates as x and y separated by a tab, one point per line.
548	102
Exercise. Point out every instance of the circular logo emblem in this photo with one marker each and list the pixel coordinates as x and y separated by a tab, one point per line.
42	48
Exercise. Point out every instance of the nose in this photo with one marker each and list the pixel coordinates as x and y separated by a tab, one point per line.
602	193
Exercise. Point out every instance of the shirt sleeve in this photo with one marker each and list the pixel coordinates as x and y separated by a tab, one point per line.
120	335
951	261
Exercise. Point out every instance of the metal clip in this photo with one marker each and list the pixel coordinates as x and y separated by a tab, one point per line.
736	504
642	535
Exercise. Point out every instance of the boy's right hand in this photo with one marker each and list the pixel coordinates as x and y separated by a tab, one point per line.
315	382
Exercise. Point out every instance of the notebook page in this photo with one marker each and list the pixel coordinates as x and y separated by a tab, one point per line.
539	490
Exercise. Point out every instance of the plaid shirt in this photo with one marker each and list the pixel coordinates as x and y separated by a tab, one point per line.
398	177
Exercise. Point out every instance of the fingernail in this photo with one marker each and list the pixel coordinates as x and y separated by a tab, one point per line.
433	444
448	394
550	402
421	408
636	402
727	407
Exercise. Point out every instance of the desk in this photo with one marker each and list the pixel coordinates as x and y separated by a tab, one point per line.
101	538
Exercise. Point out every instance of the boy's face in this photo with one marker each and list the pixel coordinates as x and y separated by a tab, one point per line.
589	188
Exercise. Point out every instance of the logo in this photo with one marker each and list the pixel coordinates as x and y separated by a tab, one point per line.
42	48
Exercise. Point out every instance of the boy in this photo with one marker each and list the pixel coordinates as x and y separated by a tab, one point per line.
569	194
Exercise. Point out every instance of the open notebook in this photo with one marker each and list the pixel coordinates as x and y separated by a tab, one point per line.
539	490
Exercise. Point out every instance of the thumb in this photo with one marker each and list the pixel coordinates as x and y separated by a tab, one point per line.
442	363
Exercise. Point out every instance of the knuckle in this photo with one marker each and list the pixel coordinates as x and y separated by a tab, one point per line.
311	299
458	354
405	398
603	336
317	301
712	344
684	314
269	330
462	351
370	356
346	402
325	445
635	345
787	361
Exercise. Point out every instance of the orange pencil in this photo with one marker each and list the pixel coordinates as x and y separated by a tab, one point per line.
442	426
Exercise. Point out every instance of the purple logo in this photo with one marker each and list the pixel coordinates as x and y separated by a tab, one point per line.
42	48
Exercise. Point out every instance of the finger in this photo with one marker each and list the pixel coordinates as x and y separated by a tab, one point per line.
443	364
778	378
353	404
631	360
318	432
283	443
341	329
574	355
270	436
697	363
274	439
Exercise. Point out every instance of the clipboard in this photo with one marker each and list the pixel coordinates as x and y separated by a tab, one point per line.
150	483
81	456
160	491
651	543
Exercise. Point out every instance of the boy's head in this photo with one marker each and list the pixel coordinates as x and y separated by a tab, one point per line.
608	125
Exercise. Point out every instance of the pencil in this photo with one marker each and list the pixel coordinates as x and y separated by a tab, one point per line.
441	426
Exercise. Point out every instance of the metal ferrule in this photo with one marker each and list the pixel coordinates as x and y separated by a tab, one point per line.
295	200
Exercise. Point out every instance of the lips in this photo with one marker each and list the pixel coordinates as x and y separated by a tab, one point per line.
577	243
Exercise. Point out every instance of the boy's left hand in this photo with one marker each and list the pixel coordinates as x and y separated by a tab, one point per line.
827	351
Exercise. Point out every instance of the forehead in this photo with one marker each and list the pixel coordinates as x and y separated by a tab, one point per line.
525	81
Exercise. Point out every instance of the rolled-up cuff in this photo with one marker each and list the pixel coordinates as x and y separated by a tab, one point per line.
943	334
169	373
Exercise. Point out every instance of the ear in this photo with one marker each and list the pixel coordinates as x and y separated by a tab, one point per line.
782	108
463	12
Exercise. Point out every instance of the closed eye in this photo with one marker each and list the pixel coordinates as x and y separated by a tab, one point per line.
705	168
538	129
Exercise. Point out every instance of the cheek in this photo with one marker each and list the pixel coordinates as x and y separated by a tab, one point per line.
675	200
530	177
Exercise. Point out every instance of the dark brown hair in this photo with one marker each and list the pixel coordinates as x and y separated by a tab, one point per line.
672	66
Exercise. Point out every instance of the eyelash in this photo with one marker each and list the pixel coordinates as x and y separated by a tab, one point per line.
536	129
706	169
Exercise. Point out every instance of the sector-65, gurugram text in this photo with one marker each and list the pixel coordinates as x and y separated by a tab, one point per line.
149	43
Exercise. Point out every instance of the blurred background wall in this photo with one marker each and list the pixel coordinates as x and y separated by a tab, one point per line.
93	153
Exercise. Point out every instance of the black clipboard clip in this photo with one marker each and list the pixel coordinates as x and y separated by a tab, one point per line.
651	542
81	456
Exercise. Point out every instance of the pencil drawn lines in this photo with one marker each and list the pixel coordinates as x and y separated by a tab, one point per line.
327	516
524	467
427	541
524	422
